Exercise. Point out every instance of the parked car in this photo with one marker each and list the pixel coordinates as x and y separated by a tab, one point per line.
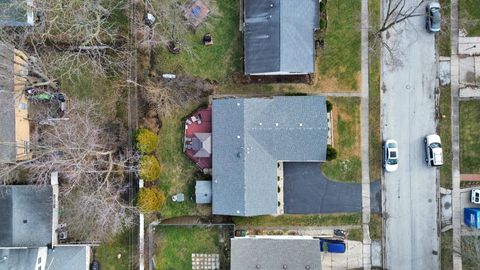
475	198
333	246
434	17
433	150
390	155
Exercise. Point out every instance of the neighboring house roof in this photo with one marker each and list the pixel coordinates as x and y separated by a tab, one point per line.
26	216
250	136
16	13
25	258
69	258
273	253
203	192
8	150
279	36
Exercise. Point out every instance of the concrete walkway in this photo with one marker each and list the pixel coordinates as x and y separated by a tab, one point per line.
457	215
364	134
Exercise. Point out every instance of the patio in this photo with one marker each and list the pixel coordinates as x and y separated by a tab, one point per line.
197	139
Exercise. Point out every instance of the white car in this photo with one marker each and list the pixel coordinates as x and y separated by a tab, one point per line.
433	150
390	155
475	196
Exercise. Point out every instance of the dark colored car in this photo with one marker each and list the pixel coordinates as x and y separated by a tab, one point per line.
434	17
332	246
95	265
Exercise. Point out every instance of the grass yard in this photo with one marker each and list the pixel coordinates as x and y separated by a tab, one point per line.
178	172
175	245
355	234
375	141
376	227
446	259
300	220
339	60
469	17
346	128
469	143
107	253
218	61
470	252
444	36
445	132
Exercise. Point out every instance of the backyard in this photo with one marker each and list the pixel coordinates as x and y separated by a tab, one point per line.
469	17
176	244
178	172
118	254
346	128
469	143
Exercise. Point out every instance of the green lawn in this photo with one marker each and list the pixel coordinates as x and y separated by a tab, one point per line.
444	36
376	227
469	142
300	220
446	258
445	132
107	253
178	172
355	234
469	16
347	166
375	141
176	244
339	61
218	61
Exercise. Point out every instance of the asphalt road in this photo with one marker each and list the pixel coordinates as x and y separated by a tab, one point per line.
308	191
408	114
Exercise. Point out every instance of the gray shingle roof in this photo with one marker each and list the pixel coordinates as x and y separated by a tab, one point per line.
26	216
8	151
279	36
68	258
273	254
250	136
25	258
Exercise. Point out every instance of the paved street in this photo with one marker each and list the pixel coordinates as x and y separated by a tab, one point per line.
408	107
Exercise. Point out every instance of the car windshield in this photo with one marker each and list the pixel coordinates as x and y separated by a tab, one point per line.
392	145
435	16
435	145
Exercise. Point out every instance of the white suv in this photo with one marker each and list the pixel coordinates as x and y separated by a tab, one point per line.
433	150
475	196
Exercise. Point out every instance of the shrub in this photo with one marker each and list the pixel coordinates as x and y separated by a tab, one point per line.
150	199
146	141
149	168
329	106
331	152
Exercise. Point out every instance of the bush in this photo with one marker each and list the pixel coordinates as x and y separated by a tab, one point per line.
331	153
149	168
150	199
146	141
329	106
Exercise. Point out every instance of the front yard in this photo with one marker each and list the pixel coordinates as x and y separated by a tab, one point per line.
176	244
469	17
469	143
346	128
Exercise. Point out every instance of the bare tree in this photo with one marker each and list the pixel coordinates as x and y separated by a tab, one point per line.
91	166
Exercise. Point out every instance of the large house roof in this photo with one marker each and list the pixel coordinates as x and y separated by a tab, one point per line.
250	136
69	258
275	253
26	216
279	36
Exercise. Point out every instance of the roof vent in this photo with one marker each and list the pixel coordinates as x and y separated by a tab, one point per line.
238	137
301	124
238	211
285	266
260	123
257	266
276	124
25	221
271	5
307	267
238	104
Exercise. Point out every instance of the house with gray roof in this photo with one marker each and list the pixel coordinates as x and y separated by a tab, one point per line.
275	252
278	36
251	138
28	231
26	216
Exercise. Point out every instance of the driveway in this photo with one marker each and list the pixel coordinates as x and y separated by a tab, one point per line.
308	191
408	114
